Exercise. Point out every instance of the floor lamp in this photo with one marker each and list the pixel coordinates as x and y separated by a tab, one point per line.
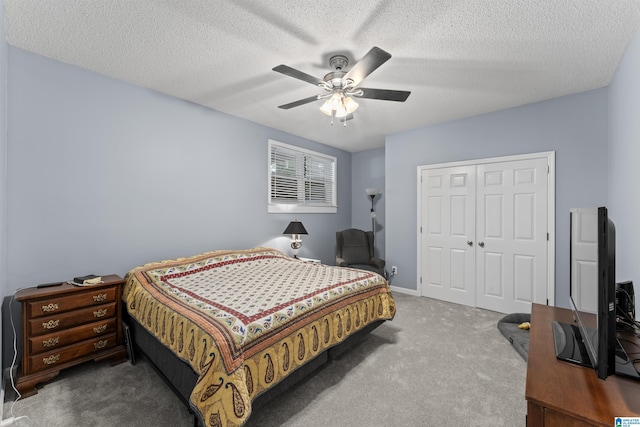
372	193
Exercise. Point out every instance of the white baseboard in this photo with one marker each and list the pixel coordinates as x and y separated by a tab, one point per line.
400	290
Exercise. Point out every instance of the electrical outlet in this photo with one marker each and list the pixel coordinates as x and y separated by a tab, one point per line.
394	269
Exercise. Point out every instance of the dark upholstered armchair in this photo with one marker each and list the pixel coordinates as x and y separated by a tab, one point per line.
354	248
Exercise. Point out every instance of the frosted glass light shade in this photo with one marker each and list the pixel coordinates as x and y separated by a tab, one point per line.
340	105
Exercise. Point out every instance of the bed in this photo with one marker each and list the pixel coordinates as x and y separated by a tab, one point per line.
227	329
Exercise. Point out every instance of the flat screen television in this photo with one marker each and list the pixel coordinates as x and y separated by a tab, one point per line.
591	340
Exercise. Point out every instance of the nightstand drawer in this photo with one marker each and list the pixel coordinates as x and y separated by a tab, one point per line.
60	304
65	354
70	336
45	325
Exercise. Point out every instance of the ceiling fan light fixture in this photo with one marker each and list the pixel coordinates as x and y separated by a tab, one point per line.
349	104
333	105
326	108
339	106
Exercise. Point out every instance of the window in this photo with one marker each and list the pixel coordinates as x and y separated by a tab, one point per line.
300	180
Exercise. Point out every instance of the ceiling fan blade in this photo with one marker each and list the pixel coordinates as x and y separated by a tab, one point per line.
367	65
347	117
384	94
299	102
292	72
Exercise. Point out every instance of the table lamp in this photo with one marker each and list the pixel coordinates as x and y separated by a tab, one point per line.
295	229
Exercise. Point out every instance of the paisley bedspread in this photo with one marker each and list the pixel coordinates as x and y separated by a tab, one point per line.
246	319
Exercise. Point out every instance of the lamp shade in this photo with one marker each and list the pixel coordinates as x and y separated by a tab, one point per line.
371	191
339	105
295	227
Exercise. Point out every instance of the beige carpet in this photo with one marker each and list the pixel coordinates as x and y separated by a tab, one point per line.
435	364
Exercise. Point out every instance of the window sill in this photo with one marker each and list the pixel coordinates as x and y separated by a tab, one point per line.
301	209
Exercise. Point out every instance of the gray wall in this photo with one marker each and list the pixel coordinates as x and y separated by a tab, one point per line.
624	158
98	168
3	167
104	176
367	171
575	127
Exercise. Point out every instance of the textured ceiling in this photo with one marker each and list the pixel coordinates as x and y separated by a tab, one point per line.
458	58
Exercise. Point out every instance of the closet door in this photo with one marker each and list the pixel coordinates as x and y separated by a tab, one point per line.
484	232
511	229
447	237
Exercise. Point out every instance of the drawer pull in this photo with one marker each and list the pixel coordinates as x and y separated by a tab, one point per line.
100	344
51	359
50	307
99	297
51	342
100	329
51	324
100	313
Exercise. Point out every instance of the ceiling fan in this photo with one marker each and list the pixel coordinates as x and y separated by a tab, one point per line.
340	86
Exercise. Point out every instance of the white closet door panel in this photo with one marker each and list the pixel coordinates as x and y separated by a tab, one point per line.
448	211
512	227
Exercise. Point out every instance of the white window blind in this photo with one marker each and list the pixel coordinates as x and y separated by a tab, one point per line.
301	180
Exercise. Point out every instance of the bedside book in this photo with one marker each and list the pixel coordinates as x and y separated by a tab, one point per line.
88	280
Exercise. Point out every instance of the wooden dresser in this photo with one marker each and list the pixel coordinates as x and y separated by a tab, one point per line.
561	394
65	325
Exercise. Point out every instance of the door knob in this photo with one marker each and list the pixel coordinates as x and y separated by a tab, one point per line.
481	244
469	242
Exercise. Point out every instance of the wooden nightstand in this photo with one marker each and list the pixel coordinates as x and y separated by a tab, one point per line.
66	325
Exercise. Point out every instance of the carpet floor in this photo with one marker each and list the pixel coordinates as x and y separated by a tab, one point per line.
435	364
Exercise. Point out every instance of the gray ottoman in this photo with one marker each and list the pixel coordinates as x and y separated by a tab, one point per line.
519	338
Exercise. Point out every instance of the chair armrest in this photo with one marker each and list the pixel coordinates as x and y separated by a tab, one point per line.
378	262
340	262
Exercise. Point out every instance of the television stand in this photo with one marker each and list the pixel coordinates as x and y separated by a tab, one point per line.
565	394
